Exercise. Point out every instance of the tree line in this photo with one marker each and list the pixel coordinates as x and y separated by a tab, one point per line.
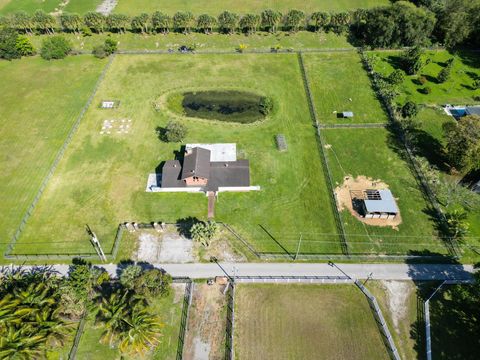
446	22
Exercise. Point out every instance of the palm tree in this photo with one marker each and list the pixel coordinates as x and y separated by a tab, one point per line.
21	343
111	312
143	332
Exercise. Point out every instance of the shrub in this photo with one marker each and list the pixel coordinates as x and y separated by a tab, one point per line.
476	84
444	75
266	105
203	232
99	52
409	110
110	46
396	77
8	45
24	46
423	80
86	31
426	90
55	47
175	132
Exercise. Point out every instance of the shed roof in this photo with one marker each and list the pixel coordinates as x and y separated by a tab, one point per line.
197	163
386	204
473	110
347	114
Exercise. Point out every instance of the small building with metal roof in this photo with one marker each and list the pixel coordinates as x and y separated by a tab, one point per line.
379	204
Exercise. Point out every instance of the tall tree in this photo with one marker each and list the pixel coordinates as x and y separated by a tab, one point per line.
228	22
44	22
206	23
183	21
339	21
95	21
161	22
320	20
293	20
8	44
118	22
463	143
71	22
249	23
270	20
140	23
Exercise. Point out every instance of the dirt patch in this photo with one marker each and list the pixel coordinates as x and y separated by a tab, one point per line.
221	248
168	247
345	192
398	293
206	324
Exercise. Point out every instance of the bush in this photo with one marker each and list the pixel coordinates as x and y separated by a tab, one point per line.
8	45
110	46
175	132
396	77
55	47
86	31
266	105
203	232
476	84
409	110
423	80
426	90
444	75
99	52
24	46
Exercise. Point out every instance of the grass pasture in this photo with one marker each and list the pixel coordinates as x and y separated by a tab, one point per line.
457	90
215	7
81	6
305	322
339	83
373	153
40	101
294	195
30	6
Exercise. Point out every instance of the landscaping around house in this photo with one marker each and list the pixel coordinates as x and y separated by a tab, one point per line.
305	321
293	197
40	102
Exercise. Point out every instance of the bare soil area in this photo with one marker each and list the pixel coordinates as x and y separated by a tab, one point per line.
359	184
207	323
398	293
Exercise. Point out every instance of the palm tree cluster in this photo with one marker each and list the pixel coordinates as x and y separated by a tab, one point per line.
182	21
30	316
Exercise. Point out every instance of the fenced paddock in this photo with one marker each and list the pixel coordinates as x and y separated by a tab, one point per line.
305	321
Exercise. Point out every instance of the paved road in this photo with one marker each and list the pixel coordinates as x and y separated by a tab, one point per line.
359	271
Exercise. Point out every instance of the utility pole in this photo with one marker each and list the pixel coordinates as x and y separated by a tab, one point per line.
298	246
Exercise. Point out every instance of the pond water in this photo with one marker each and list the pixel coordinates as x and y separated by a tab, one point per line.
232	106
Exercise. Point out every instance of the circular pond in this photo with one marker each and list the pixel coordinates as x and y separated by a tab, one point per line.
229	105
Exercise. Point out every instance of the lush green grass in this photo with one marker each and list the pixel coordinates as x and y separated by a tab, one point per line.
372	153
339	83
82	6
101	180
305	322
213	42
169	312
457	90
40	102
215	7
30	6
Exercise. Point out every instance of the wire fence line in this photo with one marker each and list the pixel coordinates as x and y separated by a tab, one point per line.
58	157
382	324
353	126
323	157
78	335
230	328
450	243
187	302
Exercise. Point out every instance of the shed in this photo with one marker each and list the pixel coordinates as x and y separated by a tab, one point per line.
379	204
472	110
347	114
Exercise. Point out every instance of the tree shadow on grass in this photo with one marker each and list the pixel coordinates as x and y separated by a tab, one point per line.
425	145
184	225
395	61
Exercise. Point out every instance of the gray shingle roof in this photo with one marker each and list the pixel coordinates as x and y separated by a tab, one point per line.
229	174
197	163
170	174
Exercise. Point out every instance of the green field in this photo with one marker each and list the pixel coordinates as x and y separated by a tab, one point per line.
169	312
40	102
373	153
294	195
457	90
259	41
81	6
10	6
339	83
215	7
305	322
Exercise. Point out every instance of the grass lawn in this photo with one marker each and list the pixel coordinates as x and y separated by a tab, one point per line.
305	322
81	6
167	308
215	7
30	6
335	78
293	198
457	90
371	152
40	102
213	42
